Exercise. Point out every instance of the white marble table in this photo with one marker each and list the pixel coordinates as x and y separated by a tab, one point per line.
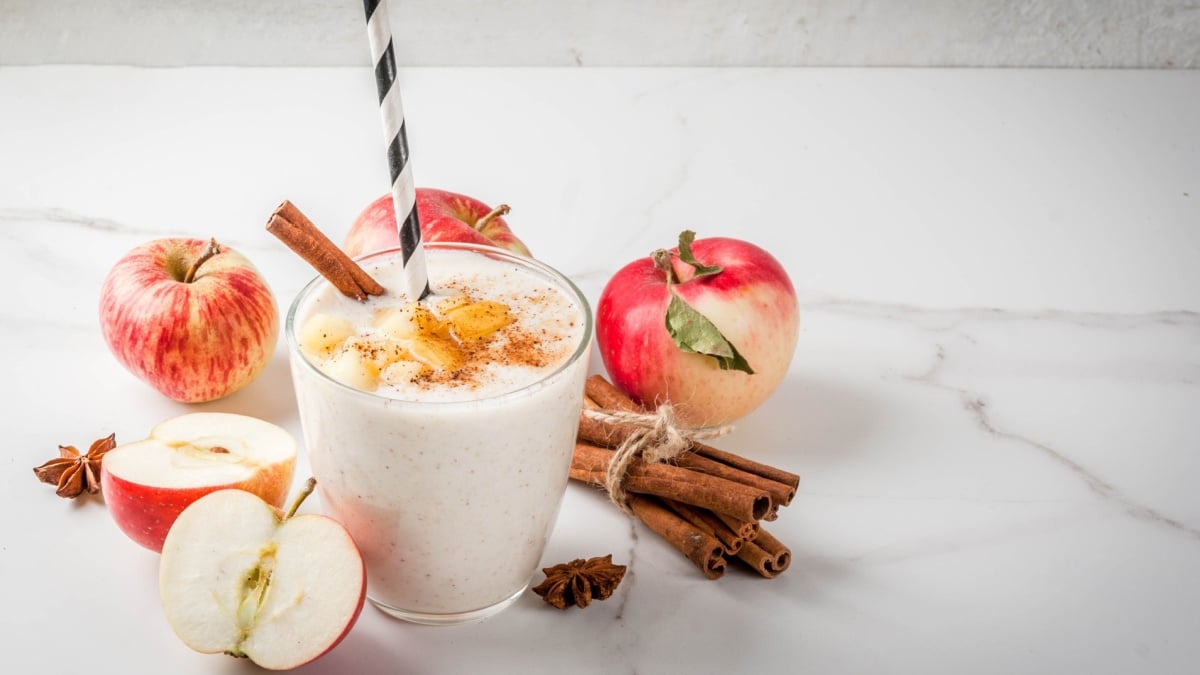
994	403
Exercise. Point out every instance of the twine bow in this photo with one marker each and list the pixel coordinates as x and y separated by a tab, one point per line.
656	438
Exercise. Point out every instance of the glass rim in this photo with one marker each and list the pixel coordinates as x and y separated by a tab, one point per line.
561	279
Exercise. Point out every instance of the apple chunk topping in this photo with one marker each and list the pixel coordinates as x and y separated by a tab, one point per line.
378	352
437	352
408	321
400	372
449	304
478	320
323	333
349	366
404	343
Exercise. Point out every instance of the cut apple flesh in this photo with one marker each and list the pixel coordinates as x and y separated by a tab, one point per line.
234	579
203	449
148	483
152	462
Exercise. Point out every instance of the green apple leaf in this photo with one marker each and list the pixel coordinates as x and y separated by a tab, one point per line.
694	333
685	254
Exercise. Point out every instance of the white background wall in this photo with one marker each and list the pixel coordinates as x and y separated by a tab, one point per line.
1070	33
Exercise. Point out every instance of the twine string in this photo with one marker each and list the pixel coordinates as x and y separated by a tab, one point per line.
656	438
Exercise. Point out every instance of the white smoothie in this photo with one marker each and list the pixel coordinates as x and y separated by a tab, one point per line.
449	479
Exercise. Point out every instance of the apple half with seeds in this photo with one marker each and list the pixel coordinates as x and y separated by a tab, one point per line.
239	577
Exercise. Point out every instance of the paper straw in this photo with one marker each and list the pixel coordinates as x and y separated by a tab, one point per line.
391	110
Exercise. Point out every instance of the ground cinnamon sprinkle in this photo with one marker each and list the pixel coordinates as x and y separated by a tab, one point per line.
522	348
510	346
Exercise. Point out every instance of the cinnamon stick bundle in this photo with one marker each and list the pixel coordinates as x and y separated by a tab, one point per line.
746	529
607	396
697	503
766	555
300	234
736	500
789	480
600	394
700	547
710	523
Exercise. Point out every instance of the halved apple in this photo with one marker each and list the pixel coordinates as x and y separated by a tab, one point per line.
148	483
237	576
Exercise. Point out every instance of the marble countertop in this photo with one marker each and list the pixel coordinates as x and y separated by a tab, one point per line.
994	403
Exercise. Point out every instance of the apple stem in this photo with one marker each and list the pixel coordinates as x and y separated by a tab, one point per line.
212	250
309	486
501	210
662	260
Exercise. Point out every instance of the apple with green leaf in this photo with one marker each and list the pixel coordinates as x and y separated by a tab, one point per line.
239	577
709	326
444	216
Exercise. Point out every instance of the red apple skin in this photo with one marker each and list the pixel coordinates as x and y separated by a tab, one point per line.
445	216
146	513
195	341
751	302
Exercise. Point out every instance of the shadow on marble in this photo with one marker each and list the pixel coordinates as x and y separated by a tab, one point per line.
270	397
817	585
363	651
807	420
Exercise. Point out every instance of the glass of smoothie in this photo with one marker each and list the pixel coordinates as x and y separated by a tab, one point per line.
441	432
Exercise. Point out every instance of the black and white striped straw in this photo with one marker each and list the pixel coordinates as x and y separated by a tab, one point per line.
391	109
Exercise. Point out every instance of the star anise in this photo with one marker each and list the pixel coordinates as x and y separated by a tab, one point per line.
73	472
580	581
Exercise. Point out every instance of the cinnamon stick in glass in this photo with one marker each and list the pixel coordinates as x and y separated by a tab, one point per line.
302	236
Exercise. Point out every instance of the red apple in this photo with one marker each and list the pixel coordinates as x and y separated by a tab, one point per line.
192	318
710	326
445	216
147	484
236	576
